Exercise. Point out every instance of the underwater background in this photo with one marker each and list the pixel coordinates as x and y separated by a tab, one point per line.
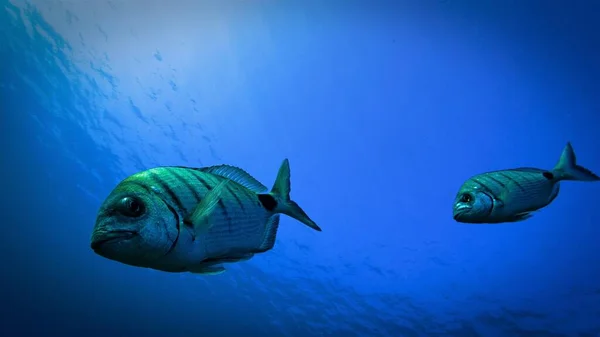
383	109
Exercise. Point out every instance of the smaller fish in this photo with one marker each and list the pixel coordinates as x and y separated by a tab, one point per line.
512	195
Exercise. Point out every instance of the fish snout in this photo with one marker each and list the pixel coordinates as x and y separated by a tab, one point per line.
101	237
460	209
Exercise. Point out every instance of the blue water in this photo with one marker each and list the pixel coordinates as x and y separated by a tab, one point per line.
383	110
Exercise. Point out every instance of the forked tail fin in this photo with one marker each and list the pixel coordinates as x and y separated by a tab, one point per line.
567	168
282	202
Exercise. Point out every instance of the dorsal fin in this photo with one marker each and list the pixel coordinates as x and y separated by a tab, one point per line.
236	174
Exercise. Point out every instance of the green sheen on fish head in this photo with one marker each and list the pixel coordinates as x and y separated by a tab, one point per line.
134	225
472	204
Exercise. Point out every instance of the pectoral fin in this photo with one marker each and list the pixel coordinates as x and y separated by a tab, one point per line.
230	259
200	216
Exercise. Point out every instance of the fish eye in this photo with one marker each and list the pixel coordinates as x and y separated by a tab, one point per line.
131	207
466	197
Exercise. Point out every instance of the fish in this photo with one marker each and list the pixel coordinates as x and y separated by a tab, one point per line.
512	195
183	219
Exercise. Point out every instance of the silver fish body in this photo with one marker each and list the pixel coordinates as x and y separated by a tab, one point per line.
511	195
181	219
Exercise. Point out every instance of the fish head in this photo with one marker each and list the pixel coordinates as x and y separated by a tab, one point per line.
134	226
472	206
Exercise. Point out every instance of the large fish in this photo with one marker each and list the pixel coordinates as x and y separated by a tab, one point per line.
511	195
180	219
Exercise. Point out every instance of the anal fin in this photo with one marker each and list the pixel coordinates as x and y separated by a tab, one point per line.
229	259
520	217
214	269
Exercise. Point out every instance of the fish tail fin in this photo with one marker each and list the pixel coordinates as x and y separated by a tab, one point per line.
567	168
278	200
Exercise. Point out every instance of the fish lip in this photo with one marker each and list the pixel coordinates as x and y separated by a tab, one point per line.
99	239
459	210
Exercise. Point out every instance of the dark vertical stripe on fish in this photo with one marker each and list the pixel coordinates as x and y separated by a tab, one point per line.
198	175
237	199
194	174
513	180
142	185
174	198
525	176
174	172
177	222
251	196
492	178
484	187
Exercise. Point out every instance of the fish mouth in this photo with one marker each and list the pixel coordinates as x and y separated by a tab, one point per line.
101	238
460	210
